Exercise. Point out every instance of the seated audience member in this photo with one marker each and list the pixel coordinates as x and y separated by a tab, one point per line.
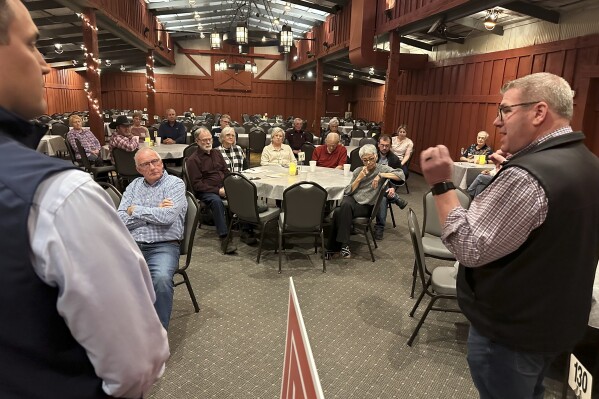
479	148
207	170
360	197
277	153
122	137
153	208
484	178
333	128
225	121
141	132
332	154
387	157
296	136
232	153
171	131
89	142
403	147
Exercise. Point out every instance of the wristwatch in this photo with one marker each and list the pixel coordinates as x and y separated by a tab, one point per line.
442	188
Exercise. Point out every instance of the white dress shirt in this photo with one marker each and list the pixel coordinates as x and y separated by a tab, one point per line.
79	244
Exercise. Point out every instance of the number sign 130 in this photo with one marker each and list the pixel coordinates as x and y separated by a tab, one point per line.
579	379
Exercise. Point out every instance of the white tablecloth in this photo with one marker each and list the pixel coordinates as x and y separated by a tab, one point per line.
273	180
464	173
51	144
166	151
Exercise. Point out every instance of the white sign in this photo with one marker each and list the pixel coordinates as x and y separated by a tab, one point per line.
579	379
301	156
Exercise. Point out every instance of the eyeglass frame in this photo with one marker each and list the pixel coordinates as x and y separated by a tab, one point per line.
501	108
155	162
369	161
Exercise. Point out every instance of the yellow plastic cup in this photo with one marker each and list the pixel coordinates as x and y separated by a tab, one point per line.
292	169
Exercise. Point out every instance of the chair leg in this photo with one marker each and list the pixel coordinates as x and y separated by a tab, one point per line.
421	322
368	242
324	265
407	188
280	249
227	238
190	290
414	277
262	228
372	235
392	215
417	303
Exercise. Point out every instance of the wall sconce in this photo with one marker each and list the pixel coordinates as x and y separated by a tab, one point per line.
389	5
215	40
286	36
250	67
221	66
491	19
241	34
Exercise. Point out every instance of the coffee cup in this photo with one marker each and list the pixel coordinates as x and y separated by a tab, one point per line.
312	166
158	140
346	169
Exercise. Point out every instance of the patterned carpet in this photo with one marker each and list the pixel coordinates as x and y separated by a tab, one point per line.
356	316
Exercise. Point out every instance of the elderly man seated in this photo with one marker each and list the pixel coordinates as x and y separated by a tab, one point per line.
479	148
207	170
360	197
153	208
171	131
90	143
296	136
332	154
122	138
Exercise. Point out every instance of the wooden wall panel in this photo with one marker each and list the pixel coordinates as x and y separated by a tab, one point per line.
368	100
64	91
451	100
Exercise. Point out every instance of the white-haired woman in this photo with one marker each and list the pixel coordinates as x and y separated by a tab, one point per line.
333	127
232	153
277	153
360	196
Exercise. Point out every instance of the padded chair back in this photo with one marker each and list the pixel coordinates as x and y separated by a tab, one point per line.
242	197
60	129
303	207
185	175
431	217
124	162
113	192
188	125
71	152
191	224
357	133
239	130
367	140
308	149
382	189
247	127
257	139
84	160
310	137
189	150
354	159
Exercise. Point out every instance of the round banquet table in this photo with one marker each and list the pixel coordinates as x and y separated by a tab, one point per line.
272	180
166	151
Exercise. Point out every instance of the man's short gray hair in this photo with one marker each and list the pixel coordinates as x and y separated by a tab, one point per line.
141	151
367	149
6	16
547	87
201	129
332	136
298	120
334	122
483	132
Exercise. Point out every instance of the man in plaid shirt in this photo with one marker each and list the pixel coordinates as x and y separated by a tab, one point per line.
122	137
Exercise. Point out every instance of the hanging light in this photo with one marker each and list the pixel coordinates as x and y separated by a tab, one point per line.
247	66
371	71
241	33
192	3
217	67
276	21
263	39
74	62
223	65
351	75
287	6
285	49
108	63
215	40
335	78
491	19
309	74
58	48
244	48
202	35
254	69
286	37
200	26
122	68
197	16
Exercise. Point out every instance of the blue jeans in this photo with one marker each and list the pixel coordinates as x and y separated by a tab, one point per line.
215	202
162	259
499	372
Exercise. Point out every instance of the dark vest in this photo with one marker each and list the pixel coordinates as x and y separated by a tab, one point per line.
39	358
538	298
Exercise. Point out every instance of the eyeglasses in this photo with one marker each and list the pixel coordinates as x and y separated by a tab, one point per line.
153	162
503	110
369	160
204	140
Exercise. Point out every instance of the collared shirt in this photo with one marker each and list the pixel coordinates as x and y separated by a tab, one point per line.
401	148
105	288
206	170
277	156
364	194
176	132
148	222
86	137
126	143
472	150
494	227
296	138
336	158
233	157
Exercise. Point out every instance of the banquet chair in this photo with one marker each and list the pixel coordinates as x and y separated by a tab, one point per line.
72	155
441	284
308	150
186	247
256	140
98	172
363	225
367	140
310	137
124	162
432	245
303	214
113	192
177	170
357	133
354	159
60	129
242	200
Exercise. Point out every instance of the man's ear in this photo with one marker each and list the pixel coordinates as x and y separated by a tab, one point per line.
540	113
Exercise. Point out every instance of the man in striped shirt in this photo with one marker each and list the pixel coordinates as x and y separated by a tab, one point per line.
153	208
528	244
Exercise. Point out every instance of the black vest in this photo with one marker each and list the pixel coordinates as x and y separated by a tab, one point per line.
538	298
39	358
